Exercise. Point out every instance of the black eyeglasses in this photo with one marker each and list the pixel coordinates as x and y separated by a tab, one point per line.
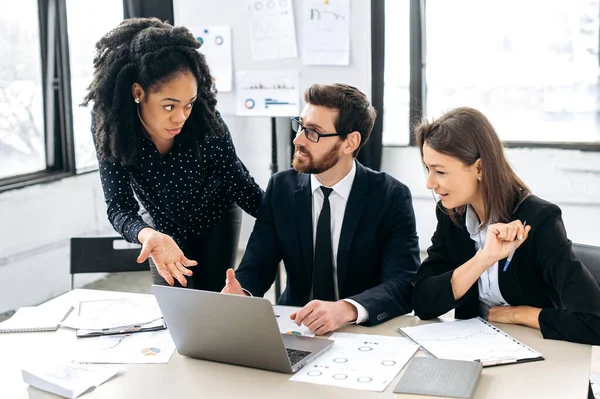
310	134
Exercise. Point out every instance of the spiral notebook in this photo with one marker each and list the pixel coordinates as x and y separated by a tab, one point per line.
35	319
471	340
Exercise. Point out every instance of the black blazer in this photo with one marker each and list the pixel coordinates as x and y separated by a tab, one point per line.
544	273
378	252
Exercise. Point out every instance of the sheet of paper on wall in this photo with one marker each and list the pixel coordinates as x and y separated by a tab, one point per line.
326	32
358	361
267	93
216	47
144	347
272	29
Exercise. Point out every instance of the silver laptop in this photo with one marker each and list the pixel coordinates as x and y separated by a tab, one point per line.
233	329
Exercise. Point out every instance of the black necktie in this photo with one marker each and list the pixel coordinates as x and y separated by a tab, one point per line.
323	264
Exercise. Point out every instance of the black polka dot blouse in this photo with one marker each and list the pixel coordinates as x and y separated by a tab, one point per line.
184	191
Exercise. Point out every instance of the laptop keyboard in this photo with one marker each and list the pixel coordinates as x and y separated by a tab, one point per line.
296	355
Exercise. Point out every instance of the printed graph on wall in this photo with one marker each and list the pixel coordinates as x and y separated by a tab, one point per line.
267	93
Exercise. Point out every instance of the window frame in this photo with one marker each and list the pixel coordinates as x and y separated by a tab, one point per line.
56	93
59	139
418	84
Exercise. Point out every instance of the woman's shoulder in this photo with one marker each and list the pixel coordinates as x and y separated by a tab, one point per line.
535	209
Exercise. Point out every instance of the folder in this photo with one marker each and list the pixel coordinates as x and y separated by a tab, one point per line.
440	377
118	316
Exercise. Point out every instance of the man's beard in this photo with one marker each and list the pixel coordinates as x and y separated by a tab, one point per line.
308	165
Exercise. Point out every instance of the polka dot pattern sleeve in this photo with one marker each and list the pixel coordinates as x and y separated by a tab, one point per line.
122	207
239	184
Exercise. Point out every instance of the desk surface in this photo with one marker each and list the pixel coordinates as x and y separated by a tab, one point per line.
564	373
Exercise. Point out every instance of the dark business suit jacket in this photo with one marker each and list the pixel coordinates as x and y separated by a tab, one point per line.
544	273
378	252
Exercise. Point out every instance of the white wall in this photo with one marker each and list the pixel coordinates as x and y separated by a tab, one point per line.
36	222
196	14
568	178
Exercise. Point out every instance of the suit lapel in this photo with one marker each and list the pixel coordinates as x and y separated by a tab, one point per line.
357	201
303	211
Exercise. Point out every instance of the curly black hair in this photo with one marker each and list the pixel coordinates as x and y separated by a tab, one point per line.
149	52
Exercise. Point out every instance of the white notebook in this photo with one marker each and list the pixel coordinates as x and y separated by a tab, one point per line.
471	340
67	380
35	319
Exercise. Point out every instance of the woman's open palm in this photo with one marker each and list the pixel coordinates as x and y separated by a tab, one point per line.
168	257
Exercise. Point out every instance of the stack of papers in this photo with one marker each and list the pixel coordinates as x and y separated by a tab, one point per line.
67	380
116	316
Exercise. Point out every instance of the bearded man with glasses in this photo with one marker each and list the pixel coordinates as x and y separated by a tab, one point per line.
346	234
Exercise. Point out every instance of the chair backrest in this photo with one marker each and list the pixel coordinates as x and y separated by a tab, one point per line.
590	256
104	255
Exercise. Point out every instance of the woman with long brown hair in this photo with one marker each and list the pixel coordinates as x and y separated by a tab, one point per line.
485	210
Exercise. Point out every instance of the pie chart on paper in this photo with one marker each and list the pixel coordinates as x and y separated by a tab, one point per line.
150	351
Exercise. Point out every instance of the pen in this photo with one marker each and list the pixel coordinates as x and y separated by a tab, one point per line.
512	250
129	327
497	362
68	313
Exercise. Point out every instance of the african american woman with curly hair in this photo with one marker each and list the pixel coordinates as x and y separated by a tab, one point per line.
162	144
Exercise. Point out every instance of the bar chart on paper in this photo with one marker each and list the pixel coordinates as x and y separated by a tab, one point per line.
267	93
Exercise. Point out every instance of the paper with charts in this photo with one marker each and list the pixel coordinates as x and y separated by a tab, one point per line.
288	326
364	362
267	93
272	29
216	47
141	347
326	32
473	339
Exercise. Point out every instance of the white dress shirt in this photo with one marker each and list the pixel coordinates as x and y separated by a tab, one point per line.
489	289
337	202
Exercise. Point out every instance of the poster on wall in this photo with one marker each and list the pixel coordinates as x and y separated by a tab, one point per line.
267	93
216	47
272	29
326	32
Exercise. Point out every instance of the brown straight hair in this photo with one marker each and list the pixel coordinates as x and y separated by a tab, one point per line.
466	134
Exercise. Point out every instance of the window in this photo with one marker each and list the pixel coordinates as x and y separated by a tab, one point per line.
531	66
396	73
22	139
45	69
83	36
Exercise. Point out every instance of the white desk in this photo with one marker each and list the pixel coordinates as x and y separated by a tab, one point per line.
564	373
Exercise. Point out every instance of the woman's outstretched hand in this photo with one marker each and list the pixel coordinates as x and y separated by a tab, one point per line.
167	256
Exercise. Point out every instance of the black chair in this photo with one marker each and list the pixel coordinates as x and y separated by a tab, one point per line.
590	256
104	255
